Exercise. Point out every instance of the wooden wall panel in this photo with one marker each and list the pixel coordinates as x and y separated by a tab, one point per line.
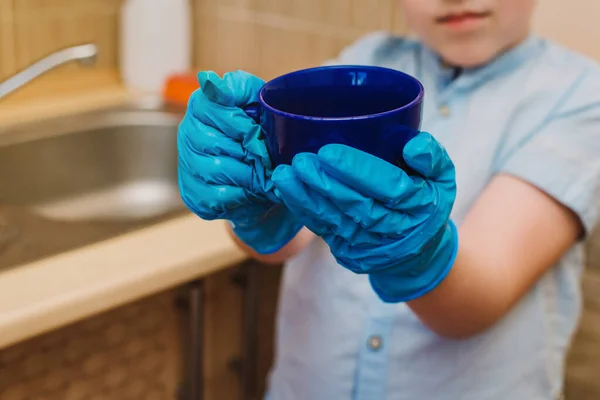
7	38
271	37
572	23
266	37
32	29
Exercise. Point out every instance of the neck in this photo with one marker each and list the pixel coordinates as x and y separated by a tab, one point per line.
514	44
504	50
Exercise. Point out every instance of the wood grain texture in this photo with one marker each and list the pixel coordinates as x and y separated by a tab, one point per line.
573	24
593	250
56	291
268	283
271	37
265	37
222	336
583	364
7	38
32	29
132	352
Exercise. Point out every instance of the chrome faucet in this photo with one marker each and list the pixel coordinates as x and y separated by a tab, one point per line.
85	54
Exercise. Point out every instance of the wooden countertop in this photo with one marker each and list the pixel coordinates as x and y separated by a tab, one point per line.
52	292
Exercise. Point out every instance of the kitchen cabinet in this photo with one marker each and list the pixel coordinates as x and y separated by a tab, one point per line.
583	364
141	350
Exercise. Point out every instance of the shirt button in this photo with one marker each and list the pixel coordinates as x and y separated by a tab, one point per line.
444	110
375	342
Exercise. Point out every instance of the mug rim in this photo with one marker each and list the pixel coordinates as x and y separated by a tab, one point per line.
274	110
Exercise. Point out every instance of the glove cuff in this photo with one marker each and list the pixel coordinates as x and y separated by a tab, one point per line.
396	285
270	233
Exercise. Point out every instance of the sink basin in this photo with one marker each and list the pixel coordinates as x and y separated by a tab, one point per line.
83	178
122	165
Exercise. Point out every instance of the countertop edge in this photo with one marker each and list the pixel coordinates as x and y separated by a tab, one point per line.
54	292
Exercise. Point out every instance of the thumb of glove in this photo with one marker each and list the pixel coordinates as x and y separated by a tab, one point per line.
429	158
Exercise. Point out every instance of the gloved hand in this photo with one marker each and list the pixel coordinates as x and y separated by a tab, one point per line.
224	167
375	218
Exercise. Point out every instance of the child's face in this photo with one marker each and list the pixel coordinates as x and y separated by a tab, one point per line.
469	33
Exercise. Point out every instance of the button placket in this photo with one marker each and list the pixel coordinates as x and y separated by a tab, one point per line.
373	372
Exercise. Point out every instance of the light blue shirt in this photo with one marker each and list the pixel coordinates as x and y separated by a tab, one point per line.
534	113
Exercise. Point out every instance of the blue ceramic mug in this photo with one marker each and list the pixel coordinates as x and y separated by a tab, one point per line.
373	109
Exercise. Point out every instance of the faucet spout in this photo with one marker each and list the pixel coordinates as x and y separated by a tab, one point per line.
85	54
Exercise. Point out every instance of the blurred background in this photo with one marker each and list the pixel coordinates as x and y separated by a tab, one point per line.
139	348
265	37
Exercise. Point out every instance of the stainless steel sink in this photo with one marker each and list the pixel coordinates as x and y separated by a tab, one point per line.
75	180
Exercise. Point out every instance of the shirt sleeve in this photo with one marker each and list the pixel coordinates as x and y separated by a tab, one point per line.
562	156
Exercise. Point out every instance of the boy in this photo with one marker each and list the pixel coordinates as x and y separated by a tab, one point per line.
461	283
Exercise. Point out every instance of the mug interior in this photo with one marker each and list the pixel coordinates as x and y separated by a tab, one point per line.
341	92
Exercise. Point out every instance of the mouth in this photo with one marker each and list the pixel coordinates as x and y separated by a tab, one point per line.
461	19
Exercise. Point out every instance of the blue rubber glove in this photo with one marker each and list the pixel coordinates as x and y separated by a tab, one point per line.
224	167
375	218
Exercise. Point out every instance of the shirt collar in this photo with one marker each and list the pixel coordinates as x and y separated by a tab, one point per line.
470	78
